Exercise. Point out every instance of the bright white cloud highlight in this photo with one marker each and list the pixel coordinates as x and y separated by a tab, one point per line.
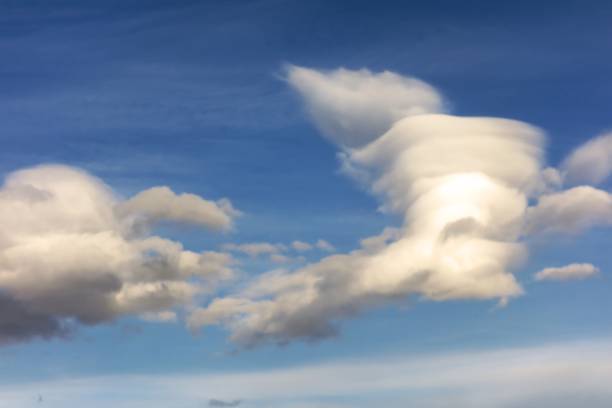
568	272
463	211
256	248
71	249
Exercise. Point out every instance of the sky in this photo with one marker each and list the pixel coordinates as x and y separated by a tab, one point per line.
305	204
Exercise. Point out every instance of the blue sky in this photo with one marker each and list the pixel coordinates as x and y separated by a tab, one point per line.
197	96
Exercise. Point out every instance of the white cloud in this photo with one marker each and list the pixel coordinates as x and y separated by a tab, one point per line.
301	246
353	108
161	203
463	209
68	253
462	186
280	258
568	272
378	242
323	245
71	250
256	248
570	211
590	163
562	375
166	316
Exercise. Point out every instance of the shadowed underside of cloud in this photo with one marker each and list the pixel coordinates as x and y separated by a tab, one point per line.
461	184
160	203
19	323
71	251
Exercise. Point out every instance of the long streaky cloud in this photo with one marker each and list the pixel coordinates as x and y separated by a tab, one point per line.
562	375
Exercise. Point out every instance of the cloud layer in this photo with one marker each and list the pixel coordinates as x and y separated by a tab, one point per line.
72	251
462	185
471	191
546	376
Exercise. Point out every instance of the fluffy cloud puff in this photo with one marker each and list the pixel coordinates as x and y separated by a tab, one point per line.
161	203
590	163
568	272
461	184
570	211
354	107
254	249
72	251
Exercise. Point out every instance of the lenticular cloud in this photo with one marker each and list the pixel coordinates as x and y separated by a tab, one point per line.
461	184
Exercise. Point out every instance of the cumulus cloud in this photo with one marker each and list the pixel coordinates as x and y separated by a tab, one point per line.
570	211
323	245
71	250
378	242
285	259
161	203
568	272
590	163
354	107
301	246
256	248
461	184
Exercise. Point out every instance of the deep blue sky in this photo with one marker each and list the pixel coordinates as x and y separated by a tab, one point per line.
190	94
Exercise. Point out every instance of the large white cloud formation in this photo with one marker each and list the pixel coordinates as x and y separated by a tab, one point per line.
462	185
72	251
